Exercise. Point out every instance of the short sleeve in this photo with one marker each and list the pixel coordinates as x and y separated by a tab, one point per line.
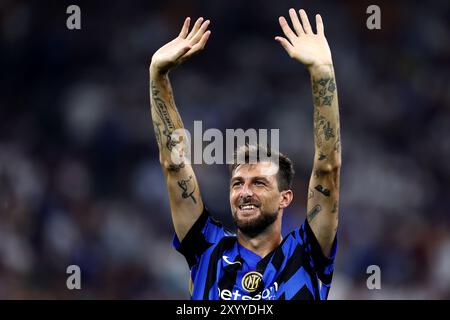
323	265
205	232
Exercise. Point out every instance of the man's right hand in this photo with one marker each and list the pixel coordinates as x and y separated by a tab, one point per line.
182	47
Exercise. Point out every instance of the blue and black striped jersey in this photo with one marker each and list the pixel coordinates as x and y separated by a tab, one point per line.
222	269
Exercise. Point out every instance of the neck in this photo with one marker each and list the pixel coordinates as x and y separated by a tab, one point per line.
263	243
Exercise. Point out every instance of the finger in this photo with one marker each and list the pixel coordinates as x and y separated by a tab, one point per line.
200	32
319	24
185	28
286	29
286	45
204	39
194	30
182	51
305	22
200	45
295	22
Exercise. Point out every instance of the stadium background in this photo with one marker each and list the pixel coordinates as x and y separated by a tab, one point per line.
80	182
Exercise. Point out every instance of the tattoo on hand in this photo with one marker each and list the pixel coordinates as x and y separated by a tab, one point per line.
322	190
184	185
313	212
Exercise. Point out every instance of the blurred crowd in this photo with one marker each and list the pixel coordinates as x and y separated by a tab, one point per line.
80	181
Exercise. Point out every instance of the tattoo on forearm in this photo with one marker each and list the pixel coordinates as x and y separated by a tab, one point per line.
313	212
163	113
156	126
176	167
323	91
323	131
310	193
337	144
319	173
328	131
335	207
184	185
326	121
319	124
322	190
161	108
327	100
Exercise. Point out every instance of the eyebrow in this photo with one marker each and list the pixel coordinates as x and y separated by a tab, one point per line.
236	179
239	178
261	178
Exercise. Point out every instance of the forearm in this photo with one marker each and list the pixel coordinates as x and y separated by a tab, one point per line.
323	195
327	138
166	118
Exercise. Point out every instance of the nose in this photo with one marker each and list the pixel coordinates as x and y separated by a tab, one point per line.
246	191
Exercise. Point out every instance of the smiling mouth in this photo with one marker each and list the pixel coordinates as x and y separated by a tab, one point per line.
247	207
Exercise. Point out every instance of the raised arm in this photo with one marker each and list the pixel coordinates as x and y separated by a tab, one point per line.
313	51
184	193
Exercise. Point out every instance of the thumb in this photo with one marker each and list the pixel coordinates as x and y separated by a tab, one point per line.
286	44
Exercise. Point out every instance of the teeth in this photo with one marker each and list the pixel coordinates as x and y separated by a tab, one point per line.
247	207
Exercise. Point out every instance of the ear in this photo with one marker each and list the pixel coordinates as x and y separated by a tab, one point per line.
286	198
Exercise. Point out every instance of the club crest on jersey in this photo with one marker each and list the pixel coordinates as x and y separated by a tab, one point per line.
251	281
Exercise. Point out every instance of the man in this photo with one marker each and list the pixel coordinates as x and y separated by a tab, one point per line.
255	263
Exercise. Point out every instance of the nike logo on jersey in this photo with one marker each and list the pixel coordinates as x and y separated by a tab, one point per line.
230	262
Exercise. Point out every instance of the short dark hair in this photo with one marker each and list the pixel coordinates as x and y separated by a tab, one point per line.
285	173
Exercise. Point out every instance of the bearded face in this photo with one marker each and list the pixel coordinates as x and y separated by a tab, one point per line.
254	198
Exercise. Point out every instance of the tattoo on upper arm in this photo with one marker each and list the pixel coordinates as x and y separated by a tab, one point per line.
185	185
313	212
322	190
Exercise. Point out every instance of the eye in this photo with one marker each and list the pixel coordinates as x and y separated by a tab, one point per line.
236	184
259	183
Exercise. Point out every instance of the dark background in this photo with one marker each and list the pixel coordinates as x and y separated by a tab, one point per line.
80	181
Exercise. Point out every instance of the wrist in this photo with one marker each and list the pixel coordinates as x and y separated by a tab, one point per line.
155	71
318	68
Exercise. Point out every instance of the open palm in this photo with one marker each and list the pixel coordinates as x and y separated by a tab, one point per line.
304	45
182	47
